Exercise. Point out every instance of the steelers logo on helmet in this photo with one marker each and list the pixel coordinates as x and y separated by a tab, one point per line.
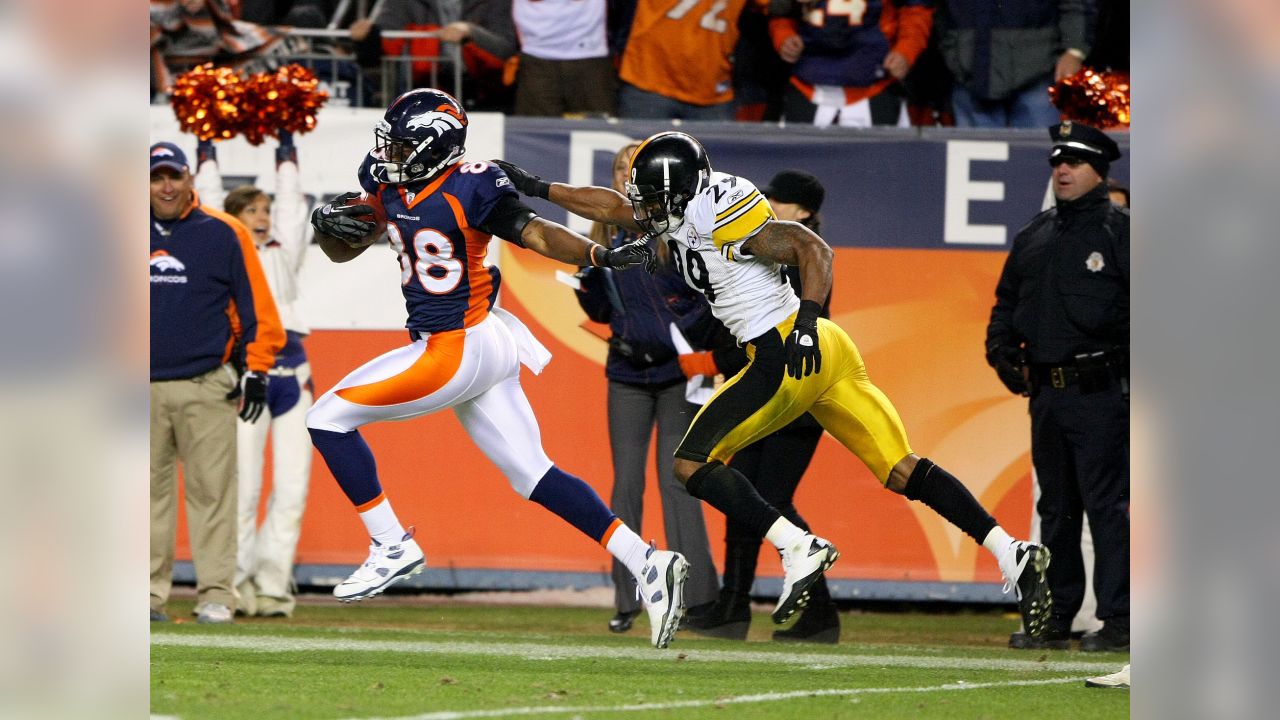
423	132
666	172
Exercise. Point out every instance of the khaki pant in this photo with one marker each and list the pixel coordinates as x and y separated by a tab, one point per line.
192	420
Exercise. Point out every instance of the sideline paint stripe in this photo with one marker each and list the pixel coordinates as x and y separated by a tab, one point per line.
534	651
722	701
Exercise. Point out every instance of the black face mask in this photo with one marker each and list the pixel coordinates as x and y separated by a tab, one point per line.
650	212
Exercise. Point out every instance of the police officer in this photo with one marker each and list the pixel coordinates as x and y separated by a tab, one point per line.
1059	333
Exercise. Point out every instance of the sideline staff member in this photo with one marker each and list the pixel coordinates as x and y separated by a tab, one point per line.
207	288
1059	333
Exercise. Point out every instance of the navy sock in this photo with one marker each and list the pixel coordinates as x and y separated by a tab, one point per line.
730	492
941	491
351	462
575	501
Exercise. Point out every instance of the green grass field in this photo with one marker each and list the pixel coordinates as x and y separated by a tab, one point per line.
401	658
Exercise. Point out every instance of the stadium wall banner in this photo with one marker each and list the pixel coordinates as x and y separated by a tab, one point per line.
921	222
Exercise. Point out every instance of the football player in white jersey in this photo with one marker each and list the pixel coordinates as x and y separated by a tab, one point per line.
730	246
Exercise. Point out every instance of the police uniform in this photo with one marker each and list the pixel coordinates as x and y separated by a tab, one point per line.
1062	314
753	298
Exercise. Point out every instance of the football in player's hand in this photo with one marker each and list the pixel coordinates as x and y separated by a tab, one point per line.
374	214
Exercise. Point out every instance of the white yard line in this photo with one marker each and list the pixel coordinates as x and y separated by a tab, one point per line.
536	651
723	701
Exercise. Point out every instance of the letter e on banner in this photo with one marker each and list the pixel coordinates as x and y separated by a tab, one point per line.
960	191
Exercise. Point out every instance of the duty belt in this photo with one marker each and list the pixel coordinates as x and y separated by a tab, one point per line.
1057	377
1095	370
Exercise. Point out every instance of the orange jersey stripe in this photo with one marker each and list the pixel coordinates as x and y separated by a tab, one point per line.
477	273
261	349
427	191
435	367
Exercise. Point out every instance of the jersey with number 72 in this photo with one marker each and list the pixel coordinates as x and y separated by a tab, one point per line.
748	294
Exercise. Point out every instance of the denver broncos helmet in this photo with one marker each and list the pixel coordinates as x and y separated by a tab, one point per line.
422	133
666	172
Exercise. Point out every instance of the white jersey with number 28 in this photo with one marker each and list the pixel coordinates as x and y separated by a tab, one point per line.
747	293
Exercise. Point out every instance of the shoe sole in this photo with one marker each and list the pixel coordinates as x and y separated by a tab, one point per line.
405	573
727	631
829	636
677	573
1109	648
620	627
799	596
1037	605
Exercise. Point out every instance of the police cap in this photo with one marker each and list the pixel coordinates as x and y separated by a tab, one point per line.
1083	142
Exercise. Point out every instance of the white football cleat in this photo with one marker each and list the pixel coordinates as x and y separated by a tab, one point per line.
1118	680
803	563
385	566
661	589
1024	566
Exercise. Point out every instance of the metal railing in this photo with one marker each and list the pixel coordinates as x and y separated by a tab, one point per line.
345	80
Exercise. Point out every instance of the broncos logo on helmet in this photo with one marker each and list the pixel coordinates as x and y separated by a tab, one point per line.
422	133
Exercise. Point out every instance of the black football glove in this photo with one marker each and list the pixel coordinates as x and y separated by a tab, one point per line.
1007	362
252	391
636	252
337	219
525	182
803	354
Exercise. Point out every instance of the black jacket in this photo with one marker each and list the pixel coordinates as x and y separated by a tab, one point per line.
1065	286
640	308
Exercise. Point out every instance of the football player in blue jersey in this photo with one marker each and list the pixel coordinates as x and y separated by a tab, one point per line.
465	354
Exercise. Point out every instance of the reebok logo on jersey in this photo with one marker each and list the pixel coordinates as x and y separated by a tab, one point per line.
502	181
166	264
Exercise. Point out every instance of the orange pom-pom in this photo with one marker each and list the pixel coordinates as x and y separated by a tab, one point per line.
207	100
297	99
286	99
1098	100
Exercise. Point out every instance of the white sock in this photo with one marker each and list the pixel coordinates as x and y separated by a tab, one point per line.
628	548
783	533
382	523
998	542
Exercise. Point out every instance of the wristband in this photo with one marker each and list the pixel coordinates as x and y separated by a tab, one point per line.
591	254
808	313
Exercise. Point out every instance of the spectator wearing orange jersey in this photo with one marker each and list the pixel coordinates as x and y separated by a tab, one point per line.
846	53
678	60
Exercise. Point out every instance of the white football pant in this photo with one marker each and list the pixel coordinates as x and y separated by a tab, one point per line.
482	386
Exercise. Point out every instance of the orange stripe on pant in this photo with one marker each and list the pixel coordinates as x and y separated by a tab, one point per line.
613	527
372	503
435	367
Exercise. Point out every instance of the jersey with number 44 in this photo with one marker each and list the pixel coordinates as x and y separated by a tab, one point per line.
748	294
432	228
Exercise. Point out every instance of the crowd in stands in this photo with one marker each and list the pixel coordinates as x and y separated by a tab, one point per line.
852	63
